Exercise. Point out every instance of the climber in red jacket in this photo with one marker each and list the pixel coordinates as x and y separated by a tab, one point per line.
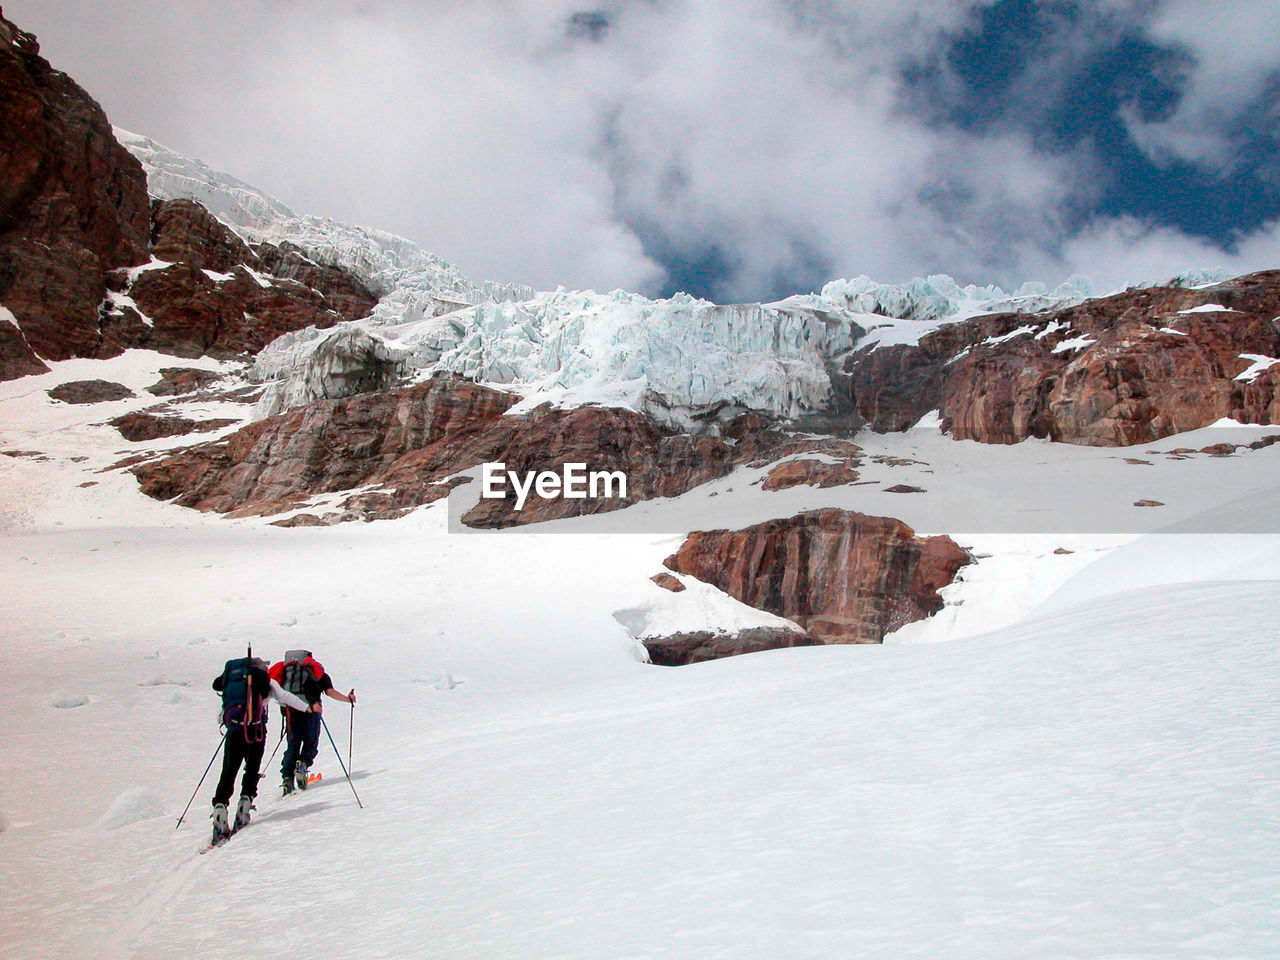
301	674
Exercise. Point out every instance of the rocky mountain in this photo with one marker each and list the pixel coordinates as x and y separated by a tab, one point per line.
73	207
383	378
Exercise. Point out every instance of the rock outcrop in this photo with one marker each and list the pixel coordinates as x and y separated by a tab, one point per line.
218	297
176	381
73	206
90	391
681	649
402	445
141	425
814	473
89	266
1119	370
844	577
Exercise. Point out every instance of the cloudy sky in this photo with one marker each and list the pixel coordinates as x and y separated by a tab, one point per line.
739	150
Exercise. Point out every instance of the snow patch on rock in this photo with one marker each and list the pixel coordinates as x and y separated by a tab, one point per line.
700	606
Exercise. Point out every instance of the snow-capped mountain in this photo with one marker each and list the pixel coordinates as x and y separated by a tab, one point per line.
678	358
411	282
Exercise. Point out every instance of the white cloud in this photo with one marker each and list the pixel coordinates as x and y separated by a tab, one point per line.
774	132
1118	252
1235	48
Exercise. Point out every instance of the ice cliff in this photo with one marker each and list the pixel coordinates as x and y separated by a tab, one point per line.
679	359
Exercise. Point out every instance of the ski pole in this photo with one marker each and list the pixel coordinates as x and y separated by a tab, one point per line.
340	763
202	776
283	727
351	733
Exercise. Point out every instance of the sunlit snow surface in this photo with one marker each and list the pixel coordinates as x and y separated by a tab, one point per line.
1081	765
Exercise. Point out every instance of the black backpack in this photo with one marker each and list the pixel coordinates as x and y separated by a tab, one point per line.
296	672
242	708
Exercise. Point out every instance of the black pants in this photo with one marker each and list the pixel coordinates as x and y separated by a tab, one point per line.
235	752
304	741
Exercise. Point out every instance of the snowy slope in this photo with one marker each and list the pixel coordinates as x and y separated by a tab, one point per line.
1093	778
1087	785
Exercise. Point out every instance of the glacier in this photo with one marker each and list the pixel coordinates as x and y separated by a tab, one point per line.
683	360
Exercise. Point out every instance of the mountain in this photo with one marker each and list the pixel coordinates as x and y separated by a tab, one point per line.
927	619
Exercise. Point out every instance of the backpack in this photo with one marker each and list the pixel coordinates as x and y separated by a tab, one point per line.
297	668
241	707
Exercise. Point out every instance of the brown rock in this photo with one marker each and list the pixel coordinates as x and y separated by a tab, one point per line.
300	520
90	391
667	582
829	446
815	473
182	231
844	577
175	381
409	440
73	205
74	212
1147	503
17	359
680	649
1132	384
140	425
904	488
1220	449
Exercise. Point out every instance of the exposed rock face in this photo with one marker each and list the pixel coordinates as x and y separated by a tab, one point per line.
217	297
74	213
140	425
815	473
408	442
176	381
1120	370
844	577
73	205
90	391
667	582
182	231
414	436
680	649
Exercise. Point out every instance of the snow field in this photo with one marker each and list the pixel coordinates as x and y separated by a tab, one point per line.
1085	768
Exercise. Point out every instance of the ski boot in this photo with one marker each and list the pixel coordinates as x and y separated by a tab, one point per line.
242	812
300	775
287	786
221	828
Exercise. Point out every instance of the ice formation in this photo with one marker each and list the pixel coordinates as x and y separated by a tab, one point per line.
679	359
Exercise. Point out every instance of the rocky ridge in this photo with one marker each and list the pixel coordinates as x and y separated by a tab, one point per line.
1120	370
90	266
